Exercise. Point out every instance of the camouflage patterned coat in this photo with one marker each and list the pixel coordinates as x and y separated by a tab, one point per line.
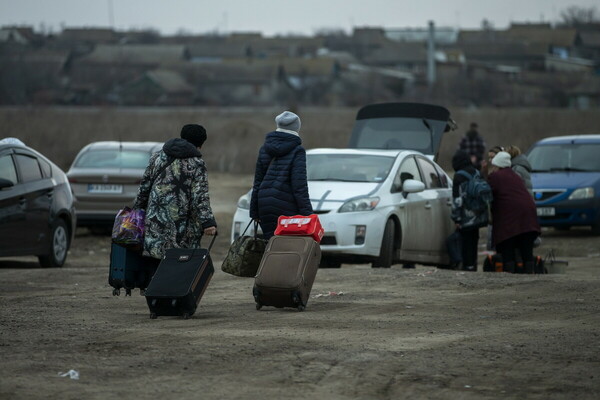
176	201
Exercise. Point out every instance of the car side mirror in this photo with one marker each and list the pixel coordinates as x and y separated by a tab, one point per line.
412	186
5	183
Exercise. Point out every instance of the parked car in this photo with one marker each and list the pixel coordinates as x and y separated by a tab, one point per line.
105	177
566	181
378	206
37	216
384	200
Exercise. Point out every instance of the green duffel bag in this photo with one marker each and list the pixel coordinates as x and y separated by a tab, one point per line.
244	255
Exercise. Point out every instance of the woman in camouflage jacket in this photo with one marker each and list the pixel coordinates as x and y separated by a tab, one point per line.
174	194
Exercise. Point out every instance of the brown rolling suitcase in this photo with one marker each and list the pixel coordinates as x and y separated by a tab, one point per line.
287	272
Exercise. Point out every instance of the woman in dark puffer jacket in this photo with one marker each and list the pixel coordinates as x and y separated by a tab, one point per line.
280	183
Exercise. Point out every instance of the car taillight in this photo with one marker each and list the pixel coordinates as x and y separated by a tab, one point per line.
72	180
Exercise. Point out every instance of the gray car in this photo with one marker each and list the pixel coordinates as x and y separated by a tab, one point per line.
105	177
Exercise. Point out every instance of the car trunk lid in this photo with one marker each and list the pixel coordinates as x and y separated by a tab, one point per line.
402	126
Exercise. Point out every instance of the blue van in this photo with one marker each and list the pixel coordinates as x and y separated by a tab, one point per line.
566	181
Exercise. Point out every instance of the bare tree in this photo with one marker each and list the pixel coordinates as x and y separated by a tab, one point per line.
576	17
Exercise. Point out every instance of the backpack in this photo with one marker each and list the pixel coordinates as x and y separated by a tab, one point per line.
476	191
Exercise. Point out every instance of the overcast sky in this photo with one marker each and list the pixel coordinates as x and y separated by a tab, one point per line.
277	16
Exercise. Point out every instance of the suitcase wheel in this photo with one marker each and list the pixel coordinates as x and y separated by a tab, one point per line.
258	306
153	315
116	292
127	292
301	307
186	315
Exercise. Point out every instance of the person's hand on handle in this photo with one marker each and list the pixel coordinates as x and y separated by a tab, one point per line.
211	231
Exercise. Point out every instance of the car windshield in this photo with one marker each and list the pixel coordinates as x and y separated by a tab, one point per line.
395	133
565	157
348	167
114	159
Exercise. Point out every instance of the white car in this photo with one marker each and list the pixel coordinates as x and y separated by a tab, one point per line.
379	206
384	200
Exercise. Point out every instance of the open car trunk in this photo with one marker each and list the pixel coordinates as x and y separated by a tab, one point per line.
404	126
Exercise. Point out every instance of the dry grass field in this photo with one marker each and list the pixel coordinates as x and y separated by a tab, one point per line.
235	134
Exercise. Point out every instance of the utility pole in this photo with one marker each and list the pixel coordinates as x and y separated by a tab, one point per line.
431	55
111	16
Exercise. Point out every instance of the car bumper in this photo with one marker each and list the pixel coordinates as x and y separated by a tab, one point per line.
569	213
340	231
94	212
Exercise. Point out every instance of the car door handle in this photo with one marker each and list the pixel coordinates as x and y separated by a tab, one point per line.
449	203
22	201
428	205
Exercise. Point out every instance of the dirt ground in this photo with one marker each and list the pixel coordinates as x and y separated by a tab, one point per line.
395	333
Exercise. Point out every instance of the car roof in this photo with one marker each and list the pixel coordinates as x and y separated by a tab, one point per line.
581	139
104	145
371	152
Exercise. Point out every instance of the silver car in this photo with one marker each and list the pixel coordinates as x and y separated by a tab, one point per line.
105	177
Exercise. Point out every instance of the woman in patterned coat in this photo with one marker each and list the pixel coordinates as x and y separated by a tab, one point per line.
174	193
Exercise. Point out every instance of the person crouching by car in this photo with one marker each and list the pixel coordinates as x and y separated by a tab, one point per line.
174	194
280	184
467	222
514	218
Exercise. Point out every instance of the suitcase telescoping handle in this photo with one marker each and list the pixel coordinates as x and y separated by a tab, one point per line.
212	242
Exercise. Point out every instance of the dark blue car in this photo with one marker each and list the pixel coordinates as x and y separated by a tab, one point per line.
566	181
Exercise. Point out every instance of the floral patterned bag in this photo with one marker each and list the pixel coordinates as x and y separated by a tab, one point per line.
128	229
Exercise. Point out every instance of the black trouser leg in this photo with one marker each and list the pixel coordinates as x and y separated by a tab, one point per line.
524	242
506	248
470	239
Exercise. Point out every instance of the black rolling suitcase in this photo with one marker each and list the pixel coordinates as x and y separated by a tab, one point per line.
179	282
129	270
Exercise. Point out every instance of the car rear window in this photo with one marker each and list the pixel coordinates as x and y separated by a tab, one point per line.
113	159
348	167
565	157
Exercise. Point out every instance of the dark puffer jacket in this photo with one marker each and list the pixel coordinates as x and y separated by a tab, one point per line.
280	186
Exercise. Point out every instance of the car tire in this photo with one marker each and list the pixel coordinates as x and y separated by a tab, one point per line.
59	246
386	253
596	228
327	262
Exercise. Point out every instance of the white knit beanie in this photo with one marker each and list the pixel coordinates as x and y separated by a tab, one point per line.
501	160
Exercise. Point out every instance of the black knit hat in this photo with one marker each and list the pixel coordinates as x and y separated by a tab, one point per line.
194	133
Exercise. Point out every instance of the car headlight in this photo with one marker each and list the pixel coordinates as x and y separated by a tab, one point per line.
582	193
244	201
360	204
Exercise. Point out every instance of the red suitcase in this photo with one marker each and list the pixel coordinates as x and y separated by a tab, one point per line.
300	225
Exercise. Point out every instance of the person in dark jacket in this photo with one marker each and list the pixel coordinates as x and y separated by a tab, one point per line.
464	219
174	194
473	144
515	222
280	183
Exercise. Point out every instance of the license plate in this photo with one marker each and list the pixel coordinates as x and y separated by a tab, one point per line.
546	211
104	188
